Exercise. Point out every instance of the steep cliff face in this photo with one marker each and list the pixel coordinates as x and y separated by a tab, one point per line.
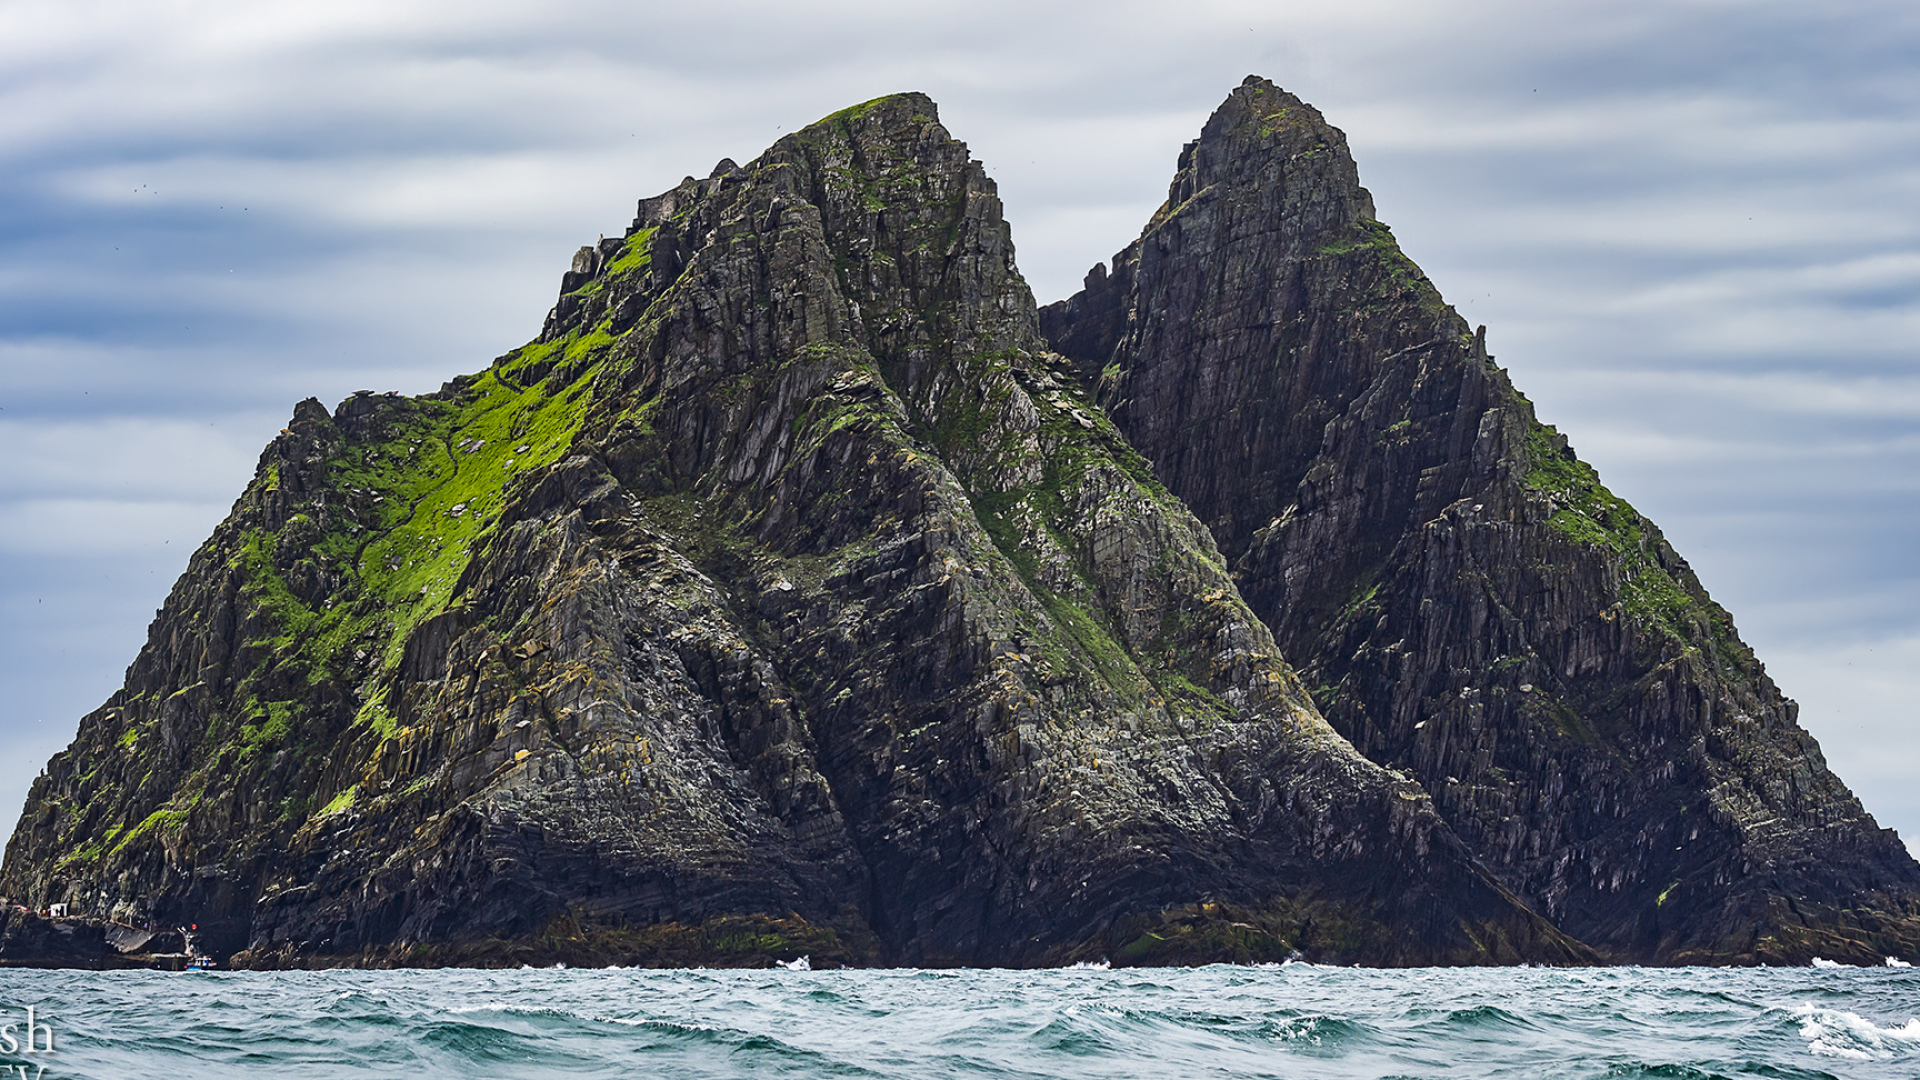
1466	599
786	595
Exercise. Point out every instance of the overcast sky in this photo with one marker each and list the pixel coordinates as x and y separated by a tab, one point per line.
1692	228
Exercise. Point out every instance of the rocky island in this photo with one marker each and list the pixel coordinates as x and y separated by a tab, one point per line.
802	588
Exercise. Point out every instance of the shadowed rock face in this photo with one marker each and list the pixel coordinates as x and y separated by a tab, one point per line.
786	595
1465	598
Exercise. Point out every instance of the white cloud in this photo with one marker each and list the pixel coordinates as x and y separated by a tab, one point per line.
102	527
144	456
1813	393
1857	698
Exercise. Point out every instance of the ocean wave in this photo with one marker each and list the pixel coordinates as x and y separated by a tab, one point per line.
1325	1032
1486	1015
1063	1035
1838	1033
1220	1023
1634	1070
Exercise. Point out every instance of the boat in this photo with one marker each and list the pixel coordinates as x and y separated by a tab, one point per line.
196	960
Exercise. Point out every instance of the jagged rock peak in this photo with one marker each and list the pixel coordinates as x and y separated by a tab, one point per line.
1468	601
1258	128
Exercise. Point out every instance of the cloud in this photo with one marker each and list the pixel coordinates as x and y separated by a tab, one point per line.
100	527
156	458
1811	394
1857	699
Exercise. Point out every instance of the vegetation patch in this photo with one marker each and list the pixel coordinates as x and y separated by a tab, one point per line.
1585	512
416	502
164	819
636	256
1209	933
1397	278
340	803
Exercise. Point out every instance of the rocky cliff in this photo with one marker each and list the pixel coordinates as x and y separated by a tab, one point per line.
1465	598
786	595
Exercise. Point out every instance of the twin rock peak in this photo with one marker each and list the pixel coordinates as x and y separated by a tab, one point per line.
803	589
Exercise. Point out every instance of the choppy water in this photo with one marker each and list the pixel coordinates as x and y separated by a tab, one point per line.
1212	1022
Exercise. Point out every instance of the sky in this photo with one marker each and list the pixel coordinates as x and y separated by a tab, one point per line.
1692	228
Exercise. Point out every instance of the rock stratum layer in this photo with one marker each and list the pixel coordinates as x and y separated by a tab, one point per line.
790	594
1468	602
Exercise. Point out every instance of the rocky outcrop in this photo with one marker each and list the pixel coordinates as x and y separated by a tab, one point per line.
30	940
1466	599
785	596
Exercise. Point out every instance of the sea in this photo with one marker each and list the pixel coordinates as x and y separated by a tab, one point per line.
1296	1020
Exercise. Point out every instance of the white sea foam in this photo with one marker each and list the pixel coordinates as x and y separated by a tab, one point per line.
1894	961
1842	1034
805	963
1098	965
1819	963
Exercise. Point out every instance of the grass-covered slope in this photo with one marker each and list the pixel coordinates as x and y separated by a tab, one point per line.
264	687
